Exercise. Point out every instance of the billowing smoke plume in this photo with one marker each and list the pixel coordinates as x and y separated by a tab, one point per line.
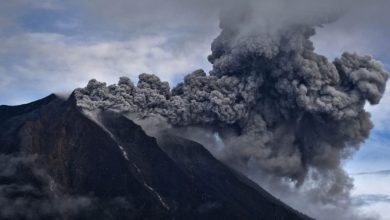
278	106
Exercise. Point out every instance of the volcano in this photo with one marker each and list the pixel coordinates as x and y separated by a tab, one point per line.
58	162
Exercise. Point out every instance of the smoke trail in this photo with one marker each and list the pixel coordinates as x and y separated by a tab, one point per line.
278	106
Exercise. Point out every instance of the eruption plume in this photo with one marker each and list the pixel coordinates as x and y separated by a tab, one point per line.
278	106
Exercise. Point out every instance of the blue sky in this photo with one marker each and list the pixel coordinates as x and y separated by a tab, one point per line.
50	46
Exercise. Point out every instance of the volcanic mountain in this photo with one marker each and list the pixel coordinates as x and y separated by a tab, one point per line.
58	162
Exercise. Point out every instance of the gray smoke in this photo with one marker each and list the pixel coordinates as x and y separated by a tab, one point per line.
278	106
28	192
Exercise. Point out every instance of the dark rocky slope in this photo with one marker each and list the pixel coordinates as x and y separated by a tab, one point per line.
58	163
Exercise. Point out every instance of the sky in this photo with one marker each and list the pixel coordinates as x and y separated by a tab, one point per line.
365	30
51	46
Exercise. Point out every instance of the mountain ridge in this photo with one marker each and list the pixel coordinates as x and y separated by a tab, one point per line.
120	172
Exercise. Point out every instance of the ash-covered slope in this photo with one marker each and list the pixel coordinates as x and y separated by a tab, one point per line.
58	163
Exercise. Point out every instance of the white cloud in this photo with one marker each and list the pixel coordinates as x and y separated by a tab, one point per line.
367	185
54	62
99	40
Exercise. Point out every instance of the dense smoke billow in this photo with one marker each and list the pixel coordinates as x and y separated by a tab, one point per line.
279	107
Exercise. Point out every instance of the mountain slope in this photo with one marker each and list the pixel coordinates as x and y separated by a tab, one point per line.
73	165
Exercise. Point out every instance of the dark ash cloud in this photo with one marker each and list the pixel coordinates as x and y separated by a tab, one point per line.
277	104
